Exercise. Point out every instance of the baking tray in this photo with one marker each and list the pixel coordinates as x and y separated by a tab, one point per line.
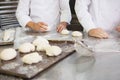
16	67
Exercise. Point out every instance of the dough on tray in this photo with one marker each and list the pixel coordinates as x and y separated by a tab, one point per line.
32	58
65	32
8	54
42	47
40	40
76	34
26	48
53	51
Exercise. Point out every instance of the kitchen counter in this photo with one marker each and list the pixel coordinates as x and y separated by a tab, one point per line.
102	66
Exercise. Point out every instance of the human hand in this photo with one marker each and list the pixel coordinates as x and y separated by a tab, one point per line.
61	26
98	33
43	26
40	26
118	28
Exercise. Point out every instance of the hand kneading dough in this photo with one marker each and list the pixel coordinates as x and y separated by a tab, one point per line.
53	51
26	47
65	32
76	34
32	58
39	41
8	54
42	47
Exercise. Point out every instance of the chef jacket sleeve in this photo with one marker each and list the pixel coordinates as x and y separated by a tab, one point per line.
22	12
84	17
65	11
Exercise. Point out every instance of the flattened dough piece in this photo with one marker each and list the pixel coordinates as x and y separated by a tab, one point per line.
32	58
40	40
26	48
8	54
42	47
53	51
76	34
65	32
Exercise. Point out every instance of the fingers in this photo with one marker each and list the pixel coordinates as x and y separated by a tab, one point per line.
98	33
39	27
102	34
43	26
61	26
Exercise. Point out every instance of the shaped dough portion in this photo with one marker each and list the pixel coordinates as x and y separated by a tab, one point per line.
26	48
8	54
76	34
53	51
65	32
40	40
32	58
42	47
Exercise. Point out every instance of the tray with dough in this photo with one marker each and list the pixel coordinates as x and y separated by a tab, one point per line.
16	67
7	37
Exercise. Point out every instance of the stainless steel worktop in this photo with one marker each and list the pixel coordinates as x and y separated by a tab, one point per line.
101	66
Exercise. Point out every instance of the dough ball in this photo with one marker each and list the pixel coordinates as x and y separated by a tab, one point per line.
26	48
76	34
65	32
32	58
53	51
8	54
39	41
42	47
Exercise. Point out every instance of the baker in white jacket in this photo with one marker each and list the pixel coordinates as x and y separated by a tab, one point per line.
98	16
44	15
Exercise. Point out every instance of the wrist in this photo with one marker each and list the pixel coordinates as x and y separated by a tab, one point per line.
30	24
64	23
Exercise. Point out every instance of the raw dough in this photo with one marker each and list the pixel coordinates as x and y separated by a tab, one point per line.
42	47
76	34
8	54
40	40
26	47
65	32
8	35
53	51
32	58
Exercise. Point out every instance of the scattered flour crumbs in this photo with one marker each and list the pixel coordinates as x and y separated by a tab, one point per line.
28	70
9	66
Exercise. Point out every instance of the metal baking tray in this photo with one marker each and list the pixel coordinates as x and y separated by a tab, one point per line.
16	67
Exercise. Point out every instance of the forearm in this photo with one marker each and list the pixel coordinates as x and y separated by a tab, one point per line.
65	11
22	12
84	17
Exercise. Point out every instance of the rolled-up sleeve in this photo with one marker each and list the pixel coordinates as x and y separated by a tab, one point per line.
22	12
65	11
84	17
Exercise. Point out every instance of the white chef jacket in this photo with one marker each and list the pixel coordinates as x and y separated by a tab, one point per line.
51	12
98	13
